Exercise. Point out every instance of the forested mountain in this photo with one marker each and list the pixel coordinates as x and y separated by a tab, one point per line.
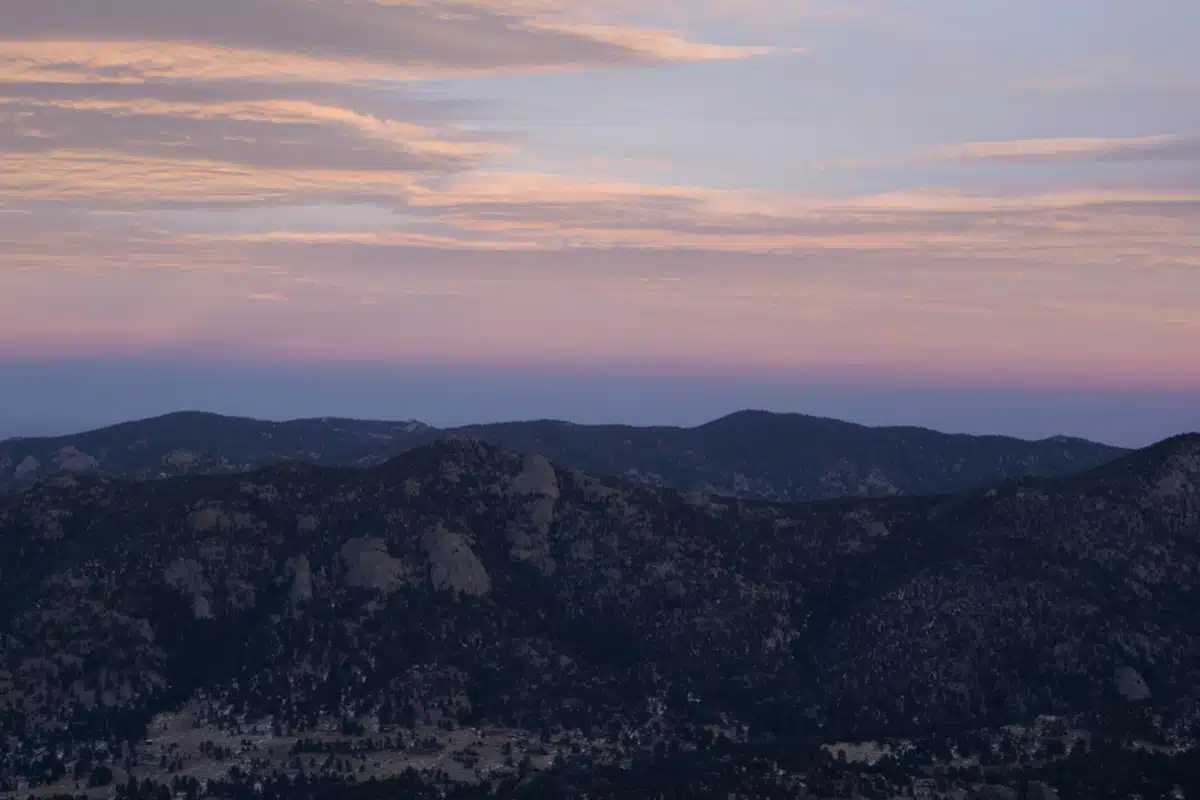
746	454
472	618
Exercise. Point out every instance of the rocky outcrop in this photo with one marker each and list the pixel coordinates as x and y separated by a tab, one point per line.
537	476
369	566
209	518
299	573
27	466
180	459
1131	684
453	565
537	484
73	459
186	576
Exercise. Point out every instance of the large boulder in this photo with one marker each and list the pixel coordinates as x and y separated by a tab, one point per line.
300	573
1131	684
537	485
27	466
369	566
453	564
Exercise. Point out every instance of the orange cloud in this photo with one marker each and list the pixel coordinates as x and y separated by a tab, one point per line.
125	104
136	40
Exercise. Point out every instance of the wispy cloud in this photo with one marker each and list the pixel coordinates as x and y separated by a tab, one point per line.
536	212
136	103
1146	148
1096	150
132	40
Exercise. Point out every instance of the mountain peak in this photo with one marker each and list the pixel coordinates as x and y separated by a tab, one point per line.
759	415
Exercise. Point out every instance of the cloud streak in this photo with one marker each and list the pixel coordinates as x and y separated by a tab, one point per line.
1093	151
134	40
127	104
1146	148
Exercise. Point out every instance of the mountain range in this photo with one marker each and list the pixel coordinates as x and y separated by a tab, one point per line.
472	621
790	457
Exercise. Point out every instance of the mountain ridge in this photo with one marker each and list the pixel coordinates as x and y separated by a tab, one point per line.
730	417
747	453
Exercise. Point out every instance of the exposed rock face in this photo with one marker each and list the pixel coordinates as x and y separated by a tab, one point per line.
28	466
530	539
1131	684
214	518
74	460
179	458
454	565
206	519
186	576
202	607
301	590
369	566
537	476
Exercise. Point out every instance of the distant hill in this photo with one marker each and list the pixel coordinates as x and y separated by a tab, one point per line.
789	457
465	614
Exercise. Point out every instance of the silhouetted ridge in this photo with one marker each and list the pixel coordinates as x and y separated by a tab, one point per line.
746	454
759	417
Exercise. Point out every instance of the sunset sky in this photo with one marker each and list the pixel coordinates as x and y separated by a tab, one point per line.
979	216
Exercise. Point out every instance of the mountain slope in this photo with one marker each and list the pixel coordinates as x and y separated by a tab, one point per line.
463	583
748	454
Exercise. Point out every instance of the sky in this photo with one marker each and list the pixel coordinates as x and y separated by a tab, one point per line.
970	215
